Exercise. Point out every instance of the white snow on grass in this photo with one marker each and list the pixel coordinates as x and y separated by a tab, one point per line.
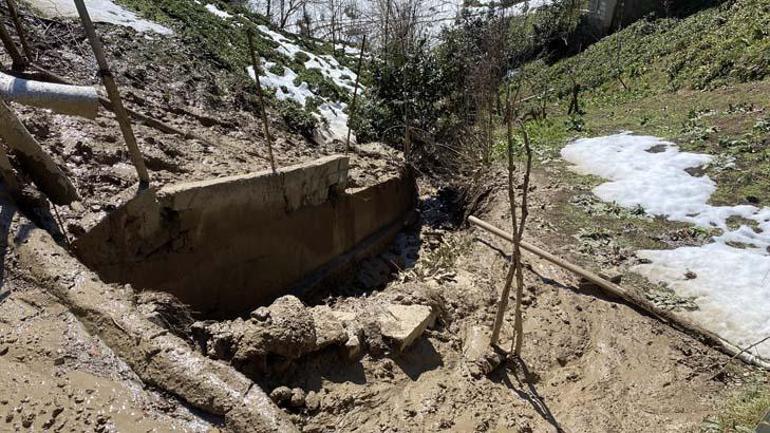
331	112
218	12
515	10
102	11
732	284
328	65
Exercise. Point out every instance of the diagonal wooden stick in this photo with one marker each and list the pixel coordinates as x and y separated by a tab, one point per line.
355	92
112	91
255	65
634	299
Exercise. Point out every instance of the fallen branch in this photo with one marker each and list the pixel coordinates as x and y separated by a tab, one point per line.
744	350
147	120
633	299
37	163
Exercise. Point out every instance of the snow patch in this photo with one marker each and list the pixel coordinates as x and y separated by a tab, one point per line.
327	65
511	11
218	12
732	284
102	11
331	112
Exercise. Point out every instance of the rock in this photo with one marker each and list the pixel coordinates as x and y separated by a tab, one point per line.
403	324
297	397
329	330
281	395
312	401
353	347
261	314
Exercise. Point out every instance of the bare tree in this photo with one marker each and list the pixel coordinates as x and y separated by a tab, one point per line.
288	8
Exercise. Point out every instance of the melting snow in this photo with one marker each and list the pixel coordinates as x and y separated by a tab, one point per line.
103	11
218	12
331	111
732	284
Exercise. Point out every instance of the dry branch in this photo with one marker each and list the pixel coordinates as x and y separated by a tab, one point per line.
355	92
634	299
257	70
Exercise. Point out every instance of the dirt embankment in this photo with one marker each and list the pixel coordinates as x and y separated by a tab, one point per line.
168	79
590	363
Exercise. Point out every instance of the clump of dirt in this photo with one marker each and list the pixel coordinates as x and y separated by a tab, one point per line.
276	336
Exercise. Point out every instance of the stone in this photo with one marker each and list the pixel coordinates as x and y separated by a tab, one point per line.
328	329
281	395
353	347
297	397
403	324
312	401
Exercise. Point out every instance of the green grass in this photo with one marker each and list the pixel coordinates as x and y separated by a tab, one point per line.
727	44
742	411
224	43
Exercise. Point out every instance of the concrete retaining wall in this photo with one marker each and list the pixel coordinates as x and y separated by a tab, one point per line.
227	245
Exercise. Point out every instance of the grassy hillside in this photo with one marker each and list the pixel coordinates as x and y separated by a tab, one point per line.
701	81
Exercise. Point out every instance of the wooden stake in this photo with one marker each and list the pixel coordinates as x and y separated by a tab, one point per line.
632	298
19	29
112	91
355	92
18	62
255	64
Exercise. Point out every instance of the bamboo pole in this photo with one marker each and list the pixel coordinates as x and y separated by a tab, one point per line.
19	29
114	95
355	92
634	299
255	64
18	62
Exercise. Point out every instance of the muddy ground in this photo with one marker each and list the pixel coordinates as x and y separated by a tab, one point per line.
589	364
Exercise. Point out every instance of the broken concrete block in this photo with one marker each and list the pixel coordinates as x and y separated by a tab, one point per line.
404	323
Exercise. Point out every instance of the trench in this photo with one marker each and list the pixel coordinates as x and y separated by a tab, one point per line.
226	246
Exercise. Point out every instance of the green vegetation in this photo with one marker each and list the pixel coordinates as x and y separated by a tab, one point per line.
742	412
224	42
297	118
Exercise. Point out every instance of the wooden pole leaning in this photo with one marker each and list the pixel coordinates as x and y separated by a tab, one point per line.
18	63
634	299
355	91
19	29
255	62
114	95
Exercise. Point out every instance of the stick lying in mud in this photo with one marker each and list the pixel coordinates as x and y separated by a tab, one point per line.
633	298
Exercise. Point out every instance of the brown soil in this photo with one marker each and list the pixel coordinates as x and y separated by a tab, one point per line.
58	377
589	363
